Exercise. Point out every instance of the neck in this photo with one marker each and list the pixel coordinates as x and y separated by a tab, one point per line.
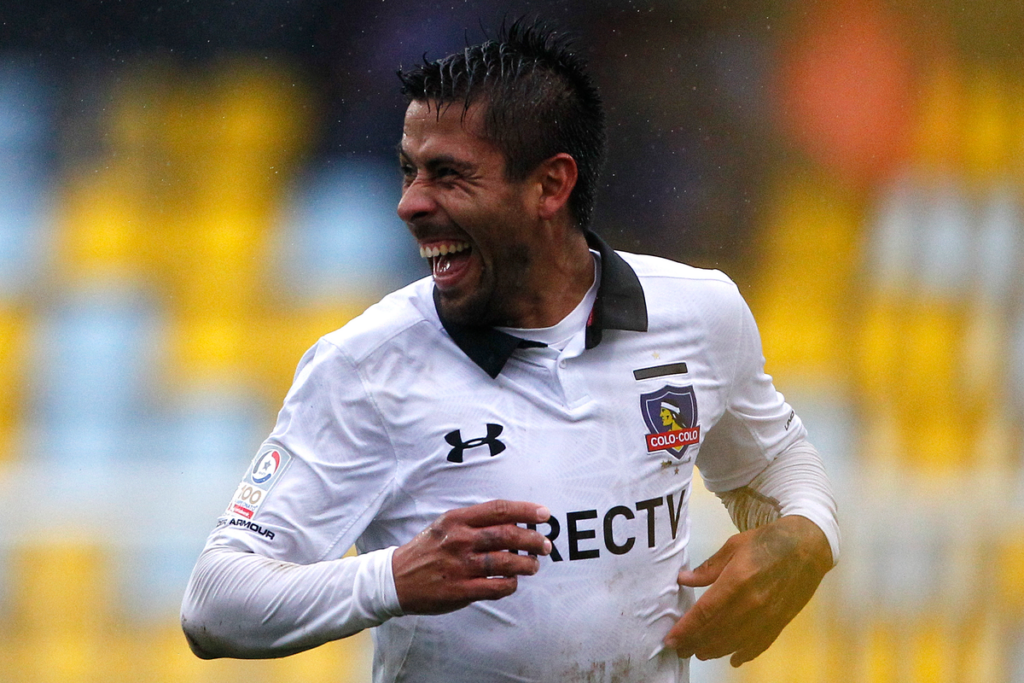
566	273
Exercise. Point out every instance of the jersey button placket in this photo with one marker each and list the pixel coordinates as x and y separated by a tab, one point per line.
573	387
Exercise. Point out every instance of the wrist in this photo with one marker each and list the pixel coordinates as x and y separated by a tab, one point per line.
809	540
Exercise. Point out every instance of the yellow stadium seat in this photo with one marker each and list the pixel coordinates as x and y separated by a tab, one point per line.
236	134
123	653
985	342
173	662
810	251
259	351
235	147
261	105
343	661
1016	125
932	652
11	657
63	588
14	326
278	340
210	347
65	658
63	609
930	404
104	226
938	142
217	264
984	653
1010	569
803	339
987	127
880	655
799	655
995	443
135	118
879	347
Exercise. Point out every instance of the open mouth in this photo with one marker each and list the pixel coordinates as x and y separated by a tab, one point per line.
449	261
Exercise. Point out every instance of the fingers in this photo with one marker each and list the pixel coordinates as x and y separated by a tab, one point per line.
748	653
469	554
708	572
509	537
716	624
697	578
496	512
500	563
491	589
720	634
698	629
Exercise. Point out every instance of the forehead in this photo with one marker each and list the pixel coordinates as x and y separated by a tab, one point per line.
450	131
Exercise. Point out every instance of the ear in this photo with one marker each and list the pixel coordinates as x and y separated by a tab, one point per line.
556	178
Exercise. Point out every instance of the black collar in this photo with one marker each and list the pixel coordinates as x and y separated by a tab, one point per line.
620	305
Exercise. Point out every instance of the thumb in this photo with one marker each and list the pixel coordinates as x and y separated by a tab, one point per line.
709	571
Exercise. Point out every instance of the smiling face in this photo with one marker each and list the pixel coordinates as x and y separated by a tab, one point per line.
670	418
478	229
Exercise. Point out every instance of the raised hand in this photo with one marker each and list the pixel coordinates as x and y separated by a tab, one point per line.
469	554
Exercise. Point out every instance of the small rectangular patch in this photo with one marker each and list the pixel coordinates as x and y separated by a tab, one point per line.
674	439
660	371
240	509
246	501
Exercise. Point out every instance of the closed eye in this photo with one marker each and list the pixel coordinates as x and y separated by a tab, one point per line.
446	173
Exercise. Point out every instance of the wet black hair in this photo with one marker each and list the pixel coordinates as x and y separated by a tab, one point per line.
540	101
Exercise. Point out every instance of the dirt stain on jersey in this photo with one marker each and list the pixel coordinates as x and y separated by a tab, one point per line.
665	464
619	670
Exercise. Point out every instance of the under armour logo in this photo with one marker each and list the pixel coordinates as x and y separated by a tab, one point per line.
491	441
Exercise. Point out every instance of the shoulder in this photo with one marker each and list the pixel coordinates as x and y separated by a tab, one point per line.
338	378
388	324
391	344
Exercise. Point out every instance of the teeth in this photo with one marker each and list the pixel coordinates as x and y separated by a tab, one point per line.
444	249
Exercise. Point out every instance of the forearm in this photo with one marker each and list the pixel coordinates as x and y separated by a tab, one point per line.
794	483
239	604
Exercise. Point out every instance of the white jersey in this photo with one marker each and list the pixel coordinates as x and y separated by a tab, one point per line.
399	417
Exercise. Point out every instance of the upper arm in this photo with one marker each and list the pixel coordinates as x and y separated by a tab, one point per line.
323	473
757	423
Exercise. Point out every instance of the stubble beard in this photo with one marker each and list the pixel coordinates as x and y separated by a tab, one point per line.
501	289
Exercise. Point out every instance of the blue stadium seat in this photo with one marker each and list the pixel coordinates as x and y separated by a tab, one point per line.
1000	244
342	238
25	141
94	376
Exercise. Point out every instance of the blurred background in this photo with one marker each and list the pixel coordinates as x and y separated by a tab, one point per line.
192	193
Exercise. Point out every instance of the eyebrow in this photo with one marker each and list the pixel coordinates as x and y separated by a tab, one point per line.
435	161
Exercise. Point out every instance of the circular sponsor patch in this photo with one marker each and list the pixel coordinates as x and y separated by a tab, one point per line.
266	466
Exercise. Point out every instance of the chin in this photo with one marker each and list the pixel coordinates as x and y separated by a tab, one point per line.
463	310
472	310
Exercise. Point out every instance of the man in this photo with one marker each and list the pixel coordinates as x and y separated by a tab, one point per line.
490	438
670	415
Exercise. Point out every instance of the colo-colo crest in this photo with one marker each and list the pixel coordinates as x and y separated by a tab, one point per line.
671	417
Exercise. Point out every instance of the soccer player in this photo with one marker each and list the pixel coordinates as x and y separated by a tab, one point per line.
494	438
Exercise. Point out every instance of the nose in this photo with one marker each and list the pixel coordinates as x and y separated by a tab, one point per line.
416	202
